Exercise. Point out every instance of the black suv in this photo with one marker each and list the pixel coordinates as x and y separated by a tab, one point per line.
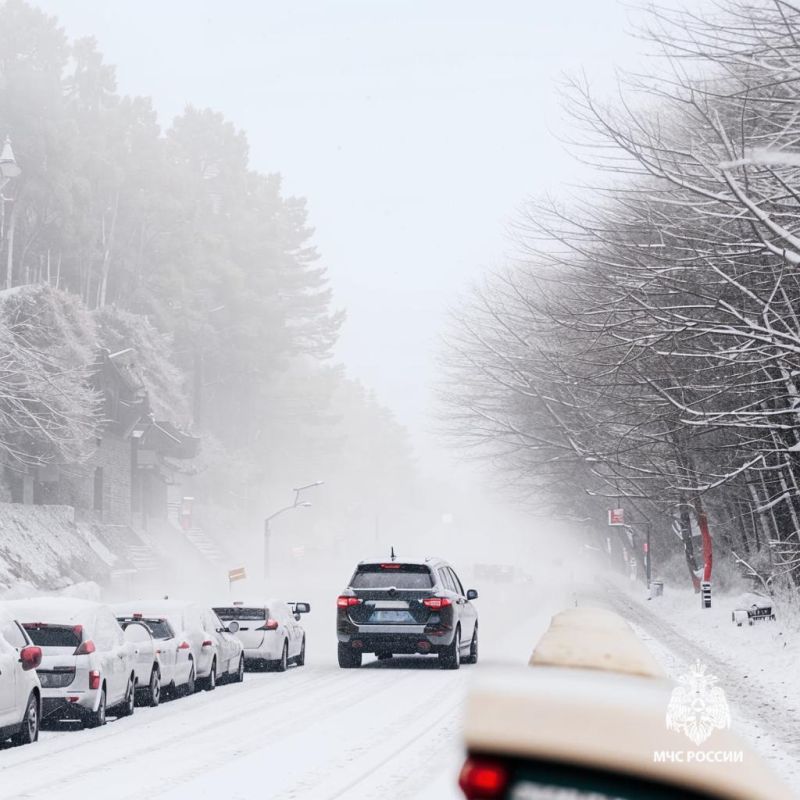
402	606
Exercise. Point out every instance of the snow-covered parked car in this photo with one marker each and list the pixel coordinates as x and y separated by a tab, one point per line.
270	632
146	663
87	667
20	692
216	654
176	666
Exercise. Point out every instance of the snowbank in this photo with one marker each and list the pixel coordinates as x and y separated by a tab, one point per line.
756	665
42	547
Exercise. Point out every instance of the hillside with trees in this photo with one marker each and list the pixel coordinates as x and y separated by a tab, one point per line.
167	241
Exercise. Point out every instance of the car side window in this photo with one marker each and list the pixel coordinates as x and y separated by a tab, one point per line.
456	581
11	632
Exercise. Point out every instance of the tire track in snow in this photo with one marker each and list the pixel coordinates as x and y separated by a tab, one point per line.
69	741
98	752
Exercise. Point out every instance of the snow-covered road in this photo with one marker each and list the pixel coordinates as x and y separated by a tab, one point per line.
312	732
389	729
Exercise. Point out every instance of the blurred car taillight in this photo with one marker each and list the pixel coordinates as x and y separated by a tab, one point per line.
482	779
269	625
94	679
345	601
208	643
184	646
30	657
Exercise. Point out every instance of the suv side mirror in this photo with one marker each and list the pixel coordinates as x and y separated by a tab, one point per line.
302	608
472	594
233	626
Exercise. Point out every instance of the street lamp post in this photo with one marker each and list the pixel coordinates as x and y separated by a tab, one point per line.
9	169
267	530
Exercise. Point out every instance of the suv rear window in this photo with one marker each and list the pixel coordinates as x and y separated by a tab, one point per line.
240	613
401	576
53	635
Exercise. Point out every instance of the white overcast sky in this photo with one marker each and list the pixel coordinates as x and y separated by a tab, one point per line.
414	128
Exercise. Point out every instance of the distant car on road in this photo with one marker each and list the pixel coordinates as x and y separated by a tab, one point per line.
87	666
216	654
20	691
407	606
177	671
270	632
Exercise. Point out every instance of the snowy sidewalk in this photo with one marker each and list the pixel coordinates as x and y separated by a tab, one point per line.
757	666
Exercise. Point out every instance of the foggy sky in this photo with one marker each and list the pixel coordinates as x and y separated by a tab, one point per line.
415	130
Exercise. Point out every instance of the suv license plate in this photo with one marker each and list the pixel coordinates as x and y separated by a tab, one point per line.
390	616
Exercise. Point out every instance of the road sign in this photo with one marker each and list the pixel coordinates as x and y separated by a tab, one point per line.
238	574
616	516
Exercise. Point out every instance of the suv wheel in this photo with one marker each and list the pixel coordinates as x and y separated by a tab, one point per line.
301	658
28	731
472	658
240	670
96	719
348	658
450	658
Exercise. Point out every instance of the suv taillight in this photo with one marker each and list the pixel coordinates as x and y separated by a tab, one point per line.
482	779
184	646
84	648
269	625
345	601
30	657
94	679
437	602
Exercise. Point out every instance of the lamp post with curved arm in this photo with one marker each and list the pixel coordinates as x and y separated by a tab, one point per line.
296	504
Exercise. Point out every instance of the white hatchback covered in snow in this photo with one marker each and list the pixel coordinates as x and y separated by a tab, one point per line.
87	666
174	663
212	653
20	693
270	631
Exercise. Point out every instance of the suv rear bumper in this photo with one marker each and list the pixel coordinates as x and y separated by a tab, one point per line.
395	638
